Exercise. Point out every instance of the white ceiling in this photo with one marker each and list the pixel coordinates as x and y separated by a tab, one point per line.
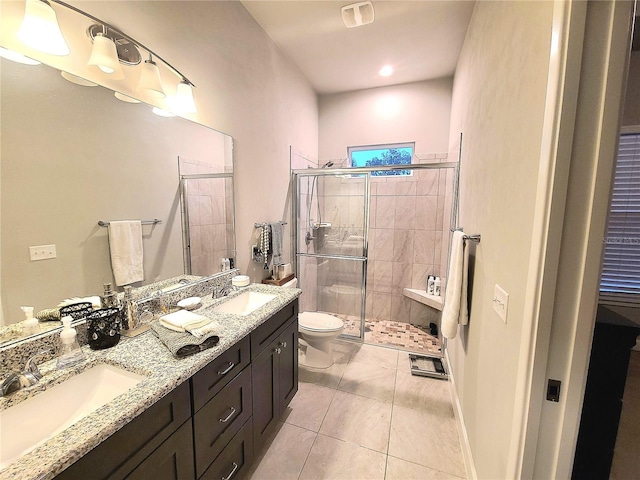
421	39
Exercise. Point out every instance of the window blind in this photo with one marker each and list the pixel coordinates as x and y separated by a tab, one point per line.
620	281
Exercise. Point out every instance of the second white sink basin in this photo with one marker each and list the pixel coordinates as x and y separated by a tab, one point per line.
245	303
32	422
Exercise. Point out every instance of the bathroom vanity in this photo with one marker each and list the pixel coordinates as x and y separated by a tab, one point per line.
201	417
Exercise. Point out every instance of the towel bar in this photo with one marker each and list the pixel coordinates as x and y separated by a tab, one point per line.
474	238
260	225
144	222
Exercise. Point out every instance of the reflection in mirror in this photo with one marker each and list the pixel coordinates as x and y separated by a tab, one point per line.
73	156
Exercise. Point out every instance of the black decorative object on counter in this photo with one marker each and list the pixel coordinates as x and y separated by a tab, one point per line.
103	328
76	310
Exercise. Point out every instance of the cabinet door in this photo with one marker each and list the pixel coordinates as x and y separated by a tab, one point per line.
288	365
266	392
119	454
173	460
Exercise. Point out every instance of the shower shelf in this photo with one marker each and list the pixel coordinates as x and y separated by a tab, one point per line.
423	297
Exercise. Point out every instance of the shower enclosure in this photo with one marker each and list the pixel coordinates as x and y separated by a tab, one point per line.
364	237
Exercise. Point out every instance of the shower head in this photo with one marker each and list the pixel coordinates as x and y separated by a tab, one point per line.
329	164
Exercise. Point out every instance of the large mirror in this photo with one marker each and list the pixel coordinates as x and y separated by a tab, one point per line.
73	156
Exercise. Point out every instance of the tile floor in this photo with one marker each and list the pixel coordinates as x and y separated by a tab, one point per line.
365	418
393	334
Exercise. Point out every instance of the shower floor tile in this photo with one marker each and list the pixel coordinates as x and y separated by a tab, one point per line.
395	334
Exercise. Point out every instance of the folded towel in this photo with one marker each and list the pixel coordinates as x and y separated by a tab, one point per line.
125	244
183	344
455	304
182	320
212	327
276	243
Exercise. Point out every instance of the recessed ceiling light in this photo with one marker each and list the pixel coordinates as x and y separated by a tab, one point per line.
386	71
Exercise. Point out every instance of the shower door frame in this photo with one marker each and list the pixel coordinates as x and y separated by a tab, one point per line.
184	208
333	172
366	171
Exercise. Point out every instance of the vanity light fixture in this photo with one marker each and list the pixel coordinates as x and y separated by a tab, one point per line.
150	82
104	55
17	57
183	101
111	48
125	98
77	80
386	71
162	113
40	30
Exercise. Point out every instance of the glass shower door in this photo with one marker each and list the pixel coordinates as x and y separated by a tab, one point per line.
207	222
331	248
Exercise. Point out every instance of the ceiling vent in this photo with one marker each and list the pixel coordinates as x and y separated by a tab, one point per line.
358	14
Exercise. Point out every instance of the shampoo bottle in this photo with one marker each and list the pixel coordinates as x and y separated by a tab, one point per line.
30	324
70	352
436	287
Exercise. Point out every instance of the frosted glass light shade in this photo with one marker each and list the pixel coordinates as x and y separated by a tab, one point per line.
17	57
77	80
162	113
183	101
40	30
150	82
125	98
104	55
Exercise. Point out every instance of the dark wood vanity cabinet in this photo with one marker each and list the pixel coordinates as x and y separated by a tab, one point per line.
275	374
210	426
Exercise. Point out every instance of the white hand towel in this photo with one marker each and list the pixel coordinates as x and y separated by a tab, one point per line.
125	244
182	320
207	329
455	305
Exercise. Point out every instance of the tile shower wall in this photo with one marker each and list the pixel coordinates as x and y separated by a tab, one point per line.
210	203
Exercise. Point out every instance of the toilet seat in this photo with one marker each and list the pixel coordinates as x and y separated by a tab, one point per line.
319	322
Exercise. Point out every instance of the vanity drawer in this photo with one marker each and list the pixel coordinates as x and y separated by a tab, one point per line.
262	336
215	424
235	460
212	378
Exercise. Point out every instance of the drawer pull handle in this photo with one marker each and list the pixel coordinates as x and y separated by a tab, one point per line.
235	467
228	369
283	344
278	351
231	413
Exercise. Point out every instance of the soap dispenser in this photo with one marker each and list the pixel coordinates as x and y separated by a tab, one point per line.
29	324
70	352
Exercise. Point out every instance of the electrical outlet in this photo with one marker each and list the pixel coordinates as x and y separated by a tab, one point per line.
42	252
500	302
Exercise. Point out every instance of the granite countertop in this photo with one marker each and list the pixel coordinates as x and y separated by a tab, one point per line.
145	355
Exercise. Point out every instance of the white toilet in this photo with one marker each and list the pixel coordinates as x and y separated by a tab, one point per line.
317	332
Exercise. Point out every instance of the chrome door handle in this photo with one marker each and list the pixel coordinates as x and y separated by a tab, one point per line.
235	467
283	344
228	369
231	413
278	351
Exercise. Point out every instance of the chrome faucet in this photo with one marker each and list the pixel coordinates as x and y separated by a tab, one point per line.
30	376
221	291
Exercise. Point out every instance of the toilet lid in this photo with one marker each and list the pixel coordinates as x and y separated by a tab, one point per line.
319	321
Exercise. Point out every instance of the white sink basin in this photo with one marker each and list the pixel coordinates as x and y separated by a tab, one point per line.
245	303
32	422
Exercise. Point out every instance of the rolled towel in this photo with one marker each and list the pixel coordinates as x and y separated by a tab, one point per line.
182	320
212	327
183	344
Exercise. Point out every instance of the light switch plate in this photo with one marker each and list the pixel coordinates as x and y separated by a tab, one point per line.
42	252
500	302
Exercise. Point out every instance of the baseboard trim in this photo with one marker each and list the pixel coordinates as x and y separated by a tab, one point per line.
469	464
